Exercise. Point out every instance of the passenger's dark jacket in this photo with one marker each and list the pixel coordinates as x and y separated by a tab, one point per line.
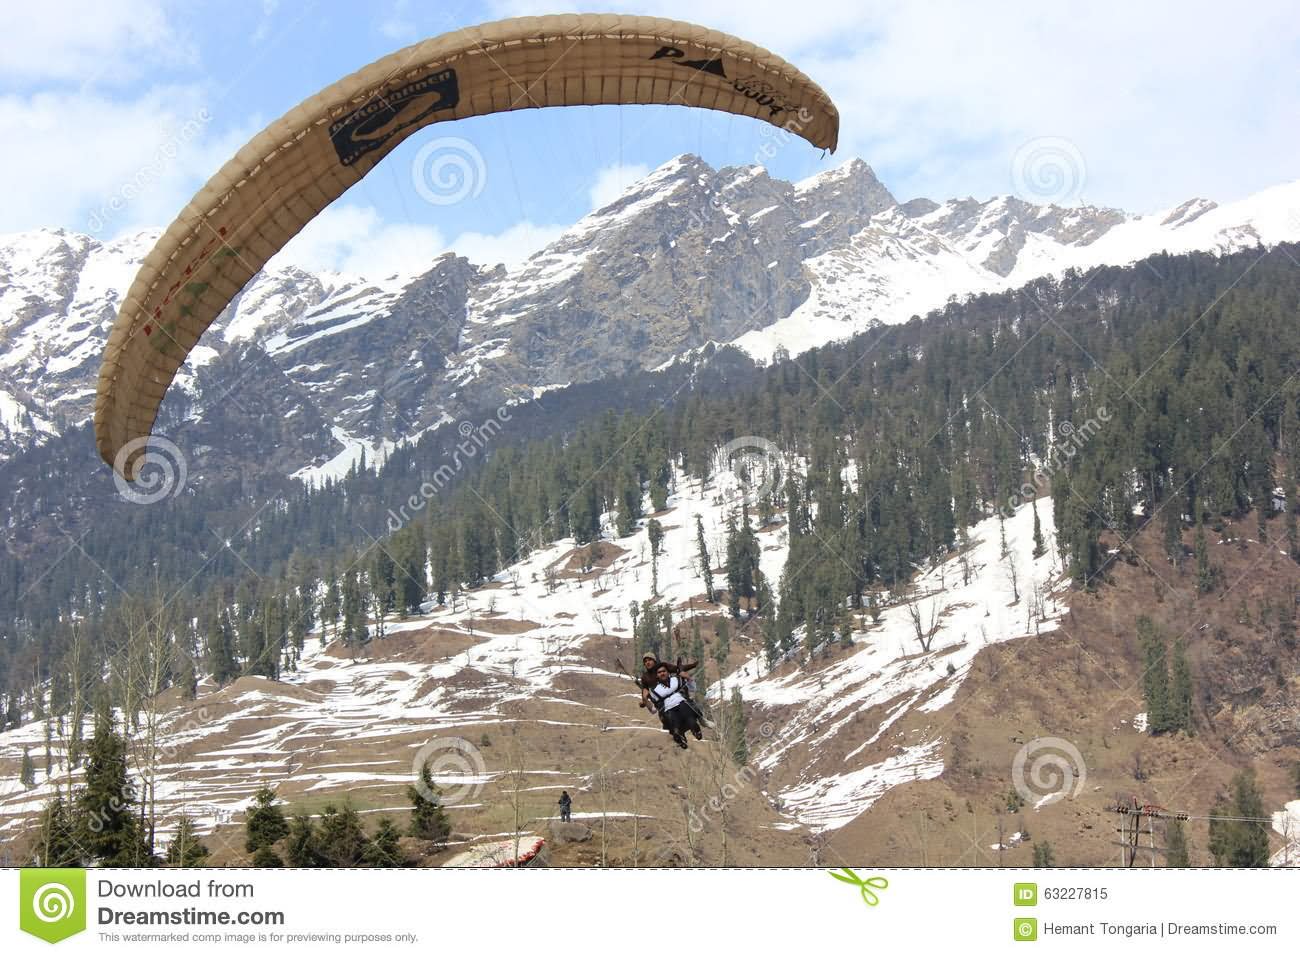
649	678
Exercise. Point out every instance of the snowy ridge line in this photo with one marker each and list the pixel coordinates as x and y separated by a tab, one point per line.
867	259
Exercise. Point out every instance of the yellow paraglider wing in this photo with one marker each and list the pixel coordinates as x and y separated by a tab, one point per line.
305	160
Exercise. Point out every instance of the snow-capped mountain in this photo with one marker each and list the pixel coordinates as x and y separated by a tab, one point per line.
686	256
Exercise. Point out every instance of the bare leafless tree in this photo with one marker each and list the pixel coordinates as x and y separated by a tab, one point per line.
924	622
148	669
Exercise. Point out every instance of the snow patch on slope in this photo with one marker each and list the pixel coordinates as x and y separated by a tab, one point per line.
889	676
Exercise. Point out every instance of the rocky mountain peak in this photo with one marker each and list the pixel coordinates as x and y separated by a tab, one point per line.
686	256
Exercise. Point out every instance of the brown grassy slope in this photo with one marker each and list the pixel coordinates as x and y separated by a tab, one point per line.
1083	684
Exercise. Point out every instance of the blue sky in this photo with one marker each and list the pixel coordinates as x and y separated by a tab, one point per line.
1145	104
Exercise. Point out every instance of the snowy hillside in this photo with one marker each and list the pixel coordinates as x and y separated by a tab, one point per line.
970	601
535	649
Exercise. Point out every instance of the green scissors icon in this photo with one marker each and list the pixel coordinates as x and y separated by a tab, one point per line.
869	896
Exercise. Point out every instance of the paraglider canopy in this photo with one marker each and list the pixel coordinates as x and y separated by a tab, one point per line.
306	159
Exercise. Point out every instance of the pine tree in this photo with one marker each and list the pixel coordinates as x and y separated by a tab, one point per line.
1040	546
412	554
655	532
1180	718
722	643
1176	851
1173	535
382	580
355	633
429	821
301	843
1155	676
27	772
706	564
1206	574
749	556
1222	833
737	729
264	823
187	676
384	849
185	849
107	807
341	839
1044	855
846	630
56	840
1252	843
331	604
771	641
1240	843
265	856
733	567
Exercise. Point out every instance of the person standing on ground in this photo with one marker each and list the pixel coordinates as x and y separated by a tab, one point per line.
566	805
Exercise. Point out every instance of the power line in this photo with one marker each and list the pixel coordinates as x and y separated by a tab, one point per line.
1138	821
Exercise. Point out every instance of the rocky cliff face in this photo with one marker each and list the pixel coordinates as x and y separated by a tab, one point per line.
687	256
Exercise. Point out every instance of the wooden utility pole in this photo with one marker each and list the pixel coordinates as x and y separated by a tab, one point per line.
1138	821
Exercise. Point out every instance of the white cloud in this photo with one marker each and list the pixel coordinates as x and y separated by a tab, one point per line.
1164	100
397	23
511	246
105	166
358	241
87	42
612	181
263	28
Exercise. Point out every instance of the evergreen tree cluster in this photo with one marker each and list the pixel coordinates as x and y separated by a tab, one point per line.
100	822
336	837
1168	695
1240	843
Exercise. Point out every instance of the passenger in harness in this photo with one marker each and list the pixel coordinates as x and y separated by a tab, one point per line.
649	677
679	715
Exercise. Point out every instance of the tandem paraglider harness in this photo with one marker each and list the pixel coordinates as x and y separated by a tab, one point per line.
686	688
